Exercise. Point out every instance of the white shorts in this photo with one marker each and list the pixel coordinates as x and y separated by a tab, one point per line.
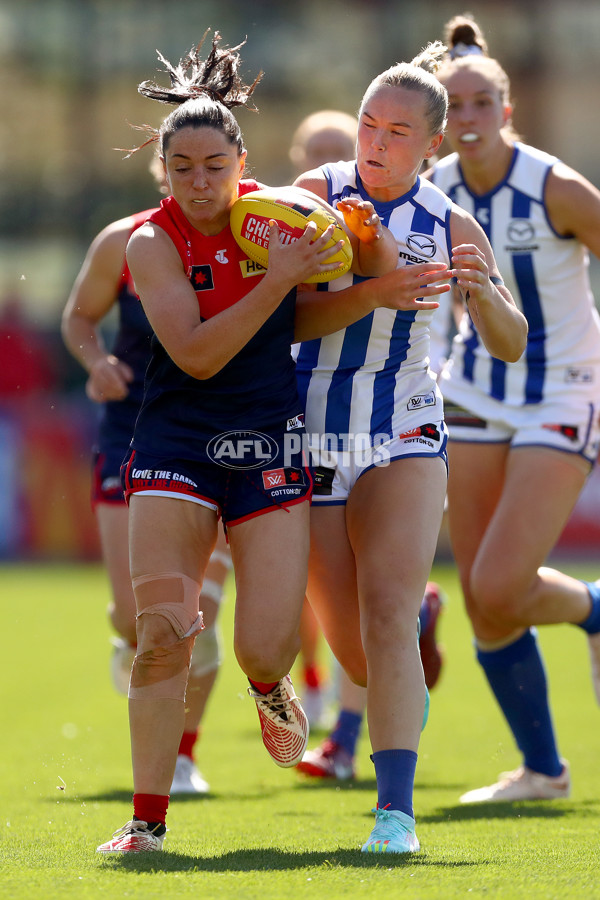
335	472
573	427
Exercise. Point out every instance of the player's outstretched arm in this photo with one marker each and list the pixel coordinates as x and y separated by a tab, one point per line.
408	288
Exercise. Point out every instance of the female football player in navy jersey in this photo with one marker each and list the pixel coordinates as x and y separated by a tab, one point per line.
116	380
211	437
523	438
375	422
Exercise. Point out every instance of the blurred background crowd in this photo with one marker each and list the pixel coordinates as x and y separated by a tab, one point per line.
69	73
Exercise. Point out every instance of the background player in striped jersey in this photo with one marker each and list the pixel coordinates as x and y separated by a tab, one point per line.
523	438
375	413
115	380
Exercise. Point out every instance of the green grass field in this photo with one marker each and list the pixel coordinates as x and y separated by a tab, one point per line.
264	832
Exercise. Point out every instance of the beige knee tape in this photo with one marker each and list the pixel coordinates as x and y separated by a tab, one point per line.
207	652
162	672
181	610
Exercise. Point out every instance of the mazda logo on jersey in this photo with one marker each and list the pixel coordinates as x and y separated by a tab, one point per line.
242	449
201	278
423	244
520	231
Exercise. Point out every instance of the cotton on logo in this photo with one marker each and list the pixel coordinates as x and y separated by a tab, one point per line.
242	449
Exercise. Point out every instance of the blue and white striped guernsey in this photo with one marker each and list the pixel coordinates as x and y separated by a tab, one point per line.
363	379
547	276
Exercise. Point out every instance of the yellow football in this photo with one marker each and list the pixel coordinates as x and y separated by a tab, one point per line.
292	208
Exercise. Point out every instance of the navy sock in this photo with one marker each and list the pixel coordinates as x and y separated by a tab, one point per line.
592	623
347	730
395	772
517	677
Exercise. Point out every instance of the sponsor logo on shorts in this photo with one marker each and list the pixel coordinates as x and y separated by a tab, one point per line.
201	278
569	431
579	375
420	401
423	434
286	492
295	422
242	449
163	479
275	478
250	268
323	481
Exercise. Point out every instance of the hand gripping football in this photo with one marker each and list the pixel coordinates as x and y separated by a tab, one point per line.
292	208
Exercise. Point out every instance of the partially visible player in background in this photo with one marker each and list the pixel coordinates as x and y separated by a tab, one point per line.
116	380
524	437
329	135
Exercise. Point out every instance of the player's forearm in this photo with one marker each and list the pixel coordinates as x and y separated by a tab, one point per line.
319	313
502	327
211	344
377	257
83	339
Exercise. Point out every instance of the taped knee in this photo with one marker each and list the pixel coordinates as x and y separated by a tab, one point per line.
208	651
162	672
181	610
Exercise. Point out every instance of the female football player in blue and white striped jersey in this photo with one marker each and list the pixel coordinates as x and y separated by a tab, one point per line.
375	420
524	437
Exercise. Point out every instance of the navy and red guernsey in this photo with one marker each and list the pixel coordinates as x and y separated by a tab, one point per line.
255	390
132	345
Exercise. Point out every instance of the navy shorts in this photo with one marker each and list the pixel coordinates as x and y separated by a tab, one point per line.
235	493
106	478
